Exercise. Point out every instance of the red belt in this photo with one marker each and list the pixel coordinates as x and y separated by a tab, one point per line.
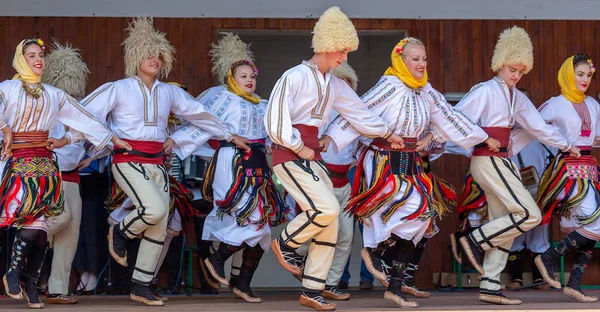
28	140
310	137
71	176
501	134
144	152
338	174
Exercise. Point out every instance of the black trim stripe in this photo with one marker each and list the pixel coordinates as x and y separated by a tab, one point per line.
310	202
503	249
512	218
146	238
291	239
316	242
137	281
314	222
140	203
516	199
485	240
314	279
487	279
143	271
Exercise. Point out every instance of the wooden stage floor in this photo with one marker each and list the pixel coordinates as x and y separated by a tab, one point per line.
361	301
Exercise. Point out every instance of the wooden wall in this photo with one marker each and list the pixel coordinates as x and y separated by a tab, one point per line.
459	54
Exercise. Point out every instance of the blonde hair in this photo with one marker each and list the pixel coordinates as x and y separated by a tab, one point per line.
334	32
411	41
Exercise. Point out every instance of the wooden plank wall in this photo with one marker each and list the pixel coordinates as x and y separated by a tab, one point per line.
459	53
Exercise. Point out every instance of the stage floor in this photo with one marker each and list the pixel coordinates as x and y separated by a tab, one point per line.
361	301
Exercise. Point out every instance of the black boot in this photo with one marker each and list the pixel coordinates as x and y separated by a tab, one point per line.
408	284
395	262
373	259
215	264
515	267
45	274
21	249
252	256
154	289
537	275
143	294
32	274
117	244
545	262
582	257
394	291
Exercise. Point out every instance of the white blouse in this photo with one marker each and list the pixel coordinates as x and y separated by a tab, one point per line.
24	113
412	113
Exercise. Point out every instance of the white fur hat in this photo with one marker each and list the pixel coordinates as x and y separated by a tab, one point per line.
345	71
66	70
513	47
334	32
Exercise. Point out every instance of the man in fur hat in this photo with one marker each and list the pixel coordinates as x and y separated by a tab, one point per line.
65	70
300	103
497	106
139	108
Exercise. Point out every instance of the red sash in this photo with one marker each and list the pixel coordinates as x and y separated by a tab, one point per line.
71	176
339	174
310	137
144	152
499	133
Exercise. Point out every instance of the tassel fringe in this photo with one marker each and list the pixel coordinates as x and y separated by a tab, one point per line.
570	179
386	185
39	180
263	195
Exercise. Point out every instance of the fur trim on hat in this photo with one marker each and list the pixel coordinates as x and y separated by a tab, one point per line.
345	71
143	41
513	47
334	32
225	52
66	70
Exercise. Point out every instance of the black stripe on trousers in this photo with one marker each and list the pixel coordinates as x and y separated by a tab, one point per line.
310	202
314	279
140	216
487	279
146	238
504	249
290	239
316	242
516	199
137	281
143	271
508	164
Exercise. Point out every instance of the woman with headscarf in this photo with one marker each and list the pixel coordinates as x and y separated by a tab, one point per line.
239	181
31	189
569	186
394	193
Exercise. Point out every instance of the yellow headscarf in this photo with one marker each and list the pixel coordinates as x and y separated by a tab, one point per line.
233	87
20	65
566	81
399	69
